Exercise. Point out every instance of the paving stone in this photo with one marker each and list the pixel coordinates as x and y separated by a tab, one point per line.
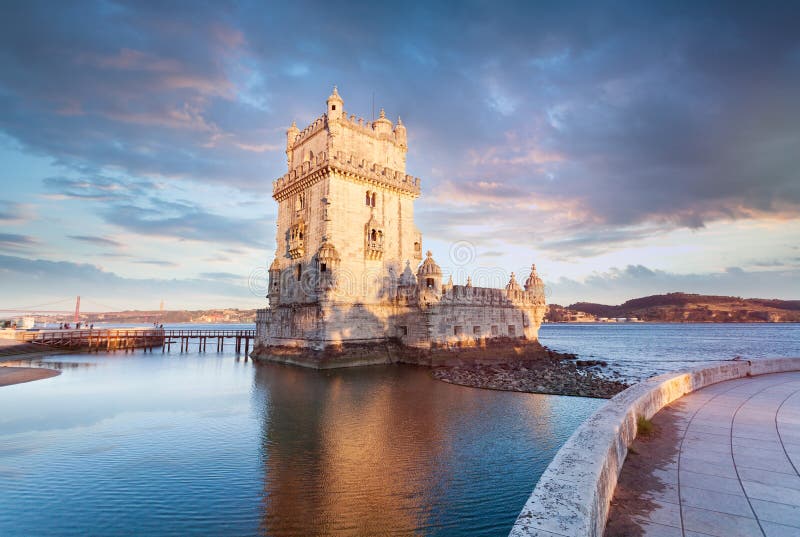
664	513
719	524
771	493
772	529
769	478
777	512
711	482
732	504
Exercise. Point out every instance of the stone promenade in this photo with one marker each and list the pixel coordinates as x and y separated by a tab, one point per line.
722	461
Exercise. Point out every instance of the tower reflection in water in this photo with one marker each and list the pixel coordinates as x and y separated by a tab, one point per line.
390	451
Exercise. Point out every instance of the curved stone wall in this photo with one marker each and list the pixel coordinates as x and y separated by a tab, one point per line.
573	495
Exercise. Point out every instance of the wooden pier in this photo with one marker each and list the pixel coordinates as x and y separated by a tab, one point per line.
128	339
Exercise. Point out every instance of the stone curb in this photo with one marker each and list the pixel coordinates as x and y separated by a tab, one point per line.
573	495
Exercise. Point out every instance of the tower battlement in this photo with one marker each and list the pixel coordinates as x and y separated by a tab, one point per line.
379	141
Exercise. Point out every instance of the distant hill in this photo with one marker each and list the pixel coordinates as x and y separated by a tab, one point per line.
685	307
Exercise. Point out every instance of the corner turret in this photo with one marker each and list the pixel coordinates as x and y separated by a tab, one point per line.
429	275
512	286
335	105
400	134
382	125
291	136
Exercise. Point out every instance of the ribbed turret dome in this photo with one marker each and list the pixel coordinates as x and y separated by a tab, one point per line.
533	281
335	96
428	267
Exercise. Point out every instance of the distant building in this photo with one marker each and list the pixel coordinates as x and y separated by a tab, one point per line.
349	274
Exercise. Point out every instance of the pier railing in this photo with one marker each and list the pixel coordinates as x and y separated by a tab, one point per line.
98	339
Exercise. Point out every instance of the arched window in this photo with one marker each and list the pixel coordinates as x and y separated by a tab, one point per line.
368	198
310	155
299	271
374	236
373	199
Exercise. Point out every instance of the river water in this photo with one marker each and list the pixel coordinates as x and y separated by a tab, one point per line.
208	444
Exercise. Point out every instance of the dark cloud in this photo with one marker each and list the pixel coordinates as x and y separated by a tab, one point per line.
98	241
597	123
14	241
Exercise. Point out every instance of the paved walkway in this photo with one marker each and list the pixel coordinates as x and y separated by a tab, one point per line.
723	461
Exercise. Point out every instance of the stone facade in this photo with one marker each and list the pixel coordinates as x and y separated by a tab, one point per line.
341	287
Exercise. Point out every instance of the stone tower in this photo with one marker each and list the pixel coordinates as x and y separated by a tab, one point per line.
342	276
345	226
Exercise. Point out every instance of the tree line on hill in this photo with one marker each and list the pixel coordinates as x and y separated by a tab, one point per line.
682	308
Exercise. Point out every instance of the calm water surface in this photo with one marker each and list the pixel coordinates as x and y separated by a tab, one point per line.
152	444
143	444
641	350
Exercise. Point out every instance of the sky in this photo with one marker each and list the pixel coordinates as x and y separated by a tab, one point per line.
626	148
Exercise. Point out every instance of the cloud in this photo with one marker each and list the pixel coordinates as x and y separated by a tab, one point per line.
186	221
14	241
224	276
15	213
620	284
582	129
30	281
156	262
98	241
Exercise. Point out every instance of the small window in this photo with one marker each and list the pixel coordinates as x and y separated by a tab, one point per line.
457	330
333	107
299	271
495	331
323	267
402	330
429	283
417	247
368	198
373	199
476	330
512	330
373	236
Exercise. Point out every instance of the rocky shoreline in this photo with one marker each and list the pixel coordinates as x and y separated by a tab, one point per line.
557	374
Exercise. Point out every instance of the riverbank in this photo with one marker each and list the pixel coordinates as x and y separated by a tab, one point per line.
556	374
18	375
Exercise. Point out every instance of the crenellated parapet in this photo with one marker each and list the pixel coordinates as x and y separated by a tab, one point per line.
348	166
488	296
381	129
314	127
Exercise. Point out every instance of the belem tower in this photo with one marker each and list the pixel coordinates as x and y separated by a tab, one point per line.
349	284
